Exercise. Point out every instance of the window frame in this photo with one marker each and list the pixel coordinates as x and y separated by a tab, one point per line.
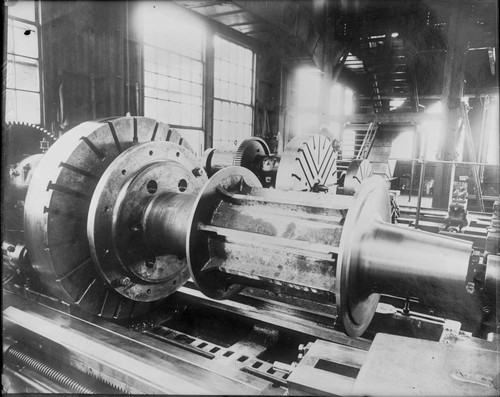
203	60
41	93
253	87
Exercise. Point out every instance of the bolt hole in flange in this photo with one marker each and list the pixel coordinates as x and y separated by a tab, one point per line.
178	154
124	172
150	152
152	186
182	185
150	262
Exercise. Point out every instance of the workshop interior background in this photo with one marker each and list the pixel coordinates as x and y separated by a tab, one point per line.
138	258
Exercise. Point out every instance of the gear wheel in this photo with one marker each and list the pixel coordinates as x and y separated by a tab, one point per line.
22	139
248	150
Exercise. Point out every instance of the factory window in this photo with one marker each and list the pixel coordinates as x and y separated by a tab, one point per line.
173	73
233	92
23	73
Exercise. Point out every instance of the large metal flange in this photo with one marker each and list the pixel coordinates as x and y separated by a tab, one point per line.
356	303
127	255
57	205
356	173
211	282
309	163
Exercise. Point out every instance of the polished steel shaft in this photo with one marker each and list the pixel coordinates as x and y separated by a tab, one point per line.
165	222
408	262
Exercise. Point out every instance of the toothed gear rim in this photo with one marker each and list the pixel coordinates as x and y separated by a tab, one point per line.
23	139
248	150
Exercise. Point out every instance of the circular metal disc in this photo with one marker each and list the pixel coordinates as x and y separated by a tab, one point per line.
118	244
213	283
356	304
57	206
356	173
307	162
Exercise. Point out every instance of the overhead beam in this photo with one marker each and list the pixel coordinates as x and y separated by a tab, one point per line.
223	14
383	118
390	118
298	24
215	25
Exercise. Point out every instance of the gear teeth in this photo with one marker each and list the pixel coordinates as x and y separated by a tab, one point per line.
20	136
238	157
24	124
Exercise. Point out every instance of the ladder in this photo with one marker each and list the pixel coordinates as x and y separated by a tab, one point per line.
470	146
358	148
367	143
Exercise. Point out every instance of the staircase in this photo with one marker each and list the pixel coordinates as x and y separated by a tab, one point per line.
357	142
385	60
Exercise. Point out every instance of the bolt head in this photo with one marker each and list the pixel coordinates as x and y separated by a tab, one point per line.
124	280
198	171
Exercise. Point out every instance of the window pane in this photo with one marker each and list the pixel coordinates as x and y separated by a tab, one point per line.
10	106
22	74
25	41
10	36
195	138
26	72
23	9
150	107
233	86
174	63
28	107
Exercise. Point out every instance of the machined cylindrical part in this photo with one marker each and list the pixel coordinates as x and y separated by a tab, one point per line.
216	159
296	247
244	235
165	222
406	262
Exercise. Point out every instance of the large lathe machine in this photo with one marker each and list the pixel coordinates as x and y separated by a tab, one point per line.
134	272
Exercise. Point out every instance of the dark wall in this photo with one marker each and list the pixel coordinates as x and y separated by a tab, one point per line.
83	61
268	89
